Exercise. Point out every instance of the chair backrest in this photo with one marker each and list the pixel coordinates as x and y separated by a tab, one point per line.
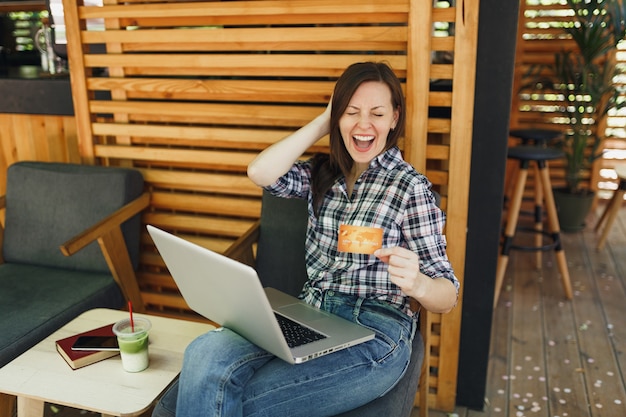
48	203
280	250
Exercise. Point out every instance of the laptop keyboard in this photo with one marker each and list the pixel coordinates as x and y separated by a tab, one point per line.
297	334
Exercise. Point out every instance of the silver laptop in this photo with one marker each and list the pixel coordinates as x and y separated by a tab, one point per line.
230	293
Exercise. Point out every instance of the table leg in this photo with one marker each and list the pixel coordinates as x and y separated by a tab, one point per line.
28	407
7	404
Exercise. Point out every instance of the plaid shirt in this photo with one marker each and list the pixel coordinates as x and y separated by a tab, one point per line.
390	195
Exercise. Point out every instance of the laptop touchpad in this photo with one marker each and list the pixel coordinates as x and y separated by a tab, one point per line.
302	311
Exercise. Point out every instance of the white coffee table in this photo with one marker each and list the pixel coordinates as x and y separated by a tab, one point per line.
41	375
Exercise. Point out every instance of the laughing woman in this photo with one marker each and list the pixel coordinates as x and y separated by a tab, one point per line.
362	182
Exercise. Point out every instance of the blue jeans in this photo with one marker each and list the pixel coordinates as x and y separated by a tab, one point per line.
225	375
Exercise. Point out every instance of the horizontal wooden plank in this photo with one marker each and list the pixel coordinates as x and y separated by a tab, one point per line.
547	46
214	137
271	9
210	137
440	99
155	264
444	14
208	225
258	65
207	20
236	184
439	125
210	113
162	282
443	44
206	204
255	20
164	300
441	71
352	38
215	243
302	13
22	6
437	177
216	160
438	152
218	89
320	146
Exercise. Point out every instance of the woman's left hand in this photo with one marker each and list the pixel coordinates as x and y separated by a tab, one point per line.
404	270
434	294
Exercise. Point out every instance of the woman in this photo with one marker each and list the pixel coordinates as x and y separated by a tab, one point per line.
363	182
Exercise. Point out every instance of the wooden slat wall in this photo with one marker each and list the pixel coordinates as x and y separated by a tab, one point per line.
197	89
539	37
38	138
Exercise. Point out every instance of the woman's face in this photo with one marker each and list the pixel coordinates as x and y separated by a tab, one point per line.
366	122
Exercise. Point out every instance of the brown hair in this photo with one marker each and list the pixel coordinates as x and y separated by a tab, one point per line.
327	168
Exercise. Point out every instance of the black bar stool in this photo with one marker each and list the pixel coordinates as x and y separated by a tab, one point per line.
537	137
526	154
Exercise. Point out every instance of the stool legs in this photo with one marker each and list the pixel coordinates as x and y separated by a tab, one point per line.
538	217
511	224
610	213
553	224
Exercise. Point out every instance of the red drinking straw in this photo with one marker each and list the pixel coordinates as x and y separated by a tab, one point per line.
132	323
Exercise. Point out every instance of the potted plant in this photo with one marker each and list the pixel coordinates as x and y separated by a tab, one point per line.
583	80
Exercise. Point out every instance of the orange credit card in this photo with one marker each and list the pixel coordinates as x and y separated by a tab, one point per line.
359	239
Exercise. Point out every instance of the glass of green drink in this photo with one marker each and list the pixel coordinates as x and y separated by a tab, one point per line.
133	341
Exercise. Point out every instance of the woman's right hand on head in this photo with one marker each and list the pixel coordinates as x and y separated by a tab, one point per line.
276	159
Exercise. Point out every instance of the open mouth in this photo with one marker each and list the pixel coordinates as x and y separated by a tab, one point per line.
362	142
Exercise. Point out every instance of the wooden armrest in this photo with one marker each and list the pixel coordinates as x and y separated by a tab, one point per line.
241	249
108	233
3	201
105	225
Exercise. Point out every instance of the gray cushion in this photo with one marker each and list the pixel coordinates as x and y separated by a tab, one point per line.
36	301
48	203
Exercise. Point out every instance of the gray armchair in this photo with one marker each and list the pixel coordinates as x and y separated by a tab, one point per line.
51	267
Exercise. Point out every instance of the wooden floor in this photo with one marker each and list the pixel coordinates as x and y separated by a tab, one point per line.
556	358
551	357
